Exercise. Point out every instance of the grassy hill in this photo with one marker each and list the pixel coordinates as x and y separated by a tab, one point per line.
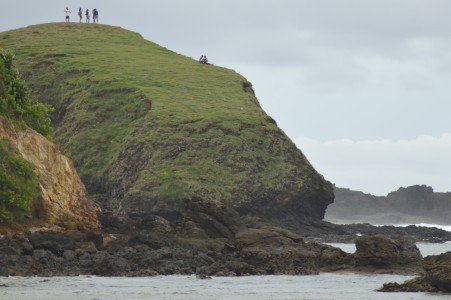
147	127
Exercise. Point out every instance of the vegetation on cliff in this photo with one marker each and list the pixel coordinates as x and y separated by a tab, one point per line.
15	102
148	128
33	173
19	185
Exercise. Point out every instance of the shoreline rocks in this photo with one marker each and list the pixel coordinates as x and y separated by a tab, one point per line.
255	248
437	277
326	232
387	255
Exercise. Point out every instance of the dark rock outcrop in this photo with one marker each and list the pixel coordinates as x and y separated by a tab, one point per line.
242	247
334	233
438	271
382	253
437	277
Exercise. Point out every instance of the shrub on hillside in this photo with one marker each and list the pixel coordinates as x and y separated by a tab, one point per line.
19	185
15	99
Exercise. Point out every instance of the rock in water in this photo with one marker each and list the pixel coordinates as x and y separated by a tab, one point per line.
436	279
438	271
381	252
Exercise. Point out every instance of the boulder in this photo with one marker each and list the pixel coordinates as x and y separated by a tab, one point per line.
436	279
382	252
330	258
105	264
438	271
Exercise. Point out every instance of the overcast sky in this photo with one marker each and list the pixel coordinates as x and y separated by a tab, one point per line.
362	87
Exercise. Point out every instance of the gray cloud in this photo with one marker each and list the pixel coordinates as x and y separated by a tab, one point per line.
379	165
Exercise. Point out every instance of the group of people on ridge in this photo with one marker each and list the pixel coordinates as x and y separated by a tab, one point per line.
95	15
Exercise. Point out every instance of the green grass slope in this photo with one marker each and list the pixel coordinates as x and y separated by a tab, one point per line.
147	127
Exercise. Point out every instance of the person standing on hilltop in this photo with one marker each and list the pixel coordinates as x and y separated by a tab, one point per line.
87	16
67	11
80	14
95	16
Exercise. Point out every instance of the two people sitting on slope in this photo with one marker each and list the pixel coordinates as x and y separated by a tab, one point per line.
203	59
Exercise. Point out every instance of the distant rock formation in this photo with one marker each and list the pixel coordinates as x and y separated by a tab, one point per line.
410	205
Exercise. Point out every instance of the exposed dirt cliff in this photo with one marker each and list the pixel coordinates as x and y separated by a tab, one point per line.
63	201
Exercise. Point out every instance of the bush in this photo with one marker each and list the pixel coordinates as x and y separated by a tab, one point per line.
15	99
19	185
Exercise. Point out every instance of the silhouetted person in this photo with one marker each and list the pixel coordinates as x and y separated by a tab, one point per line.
87	16
67	11
80	14
95	16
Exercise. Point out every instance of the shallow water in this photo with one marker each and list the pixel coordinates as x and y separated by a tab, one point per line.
425	248
324	286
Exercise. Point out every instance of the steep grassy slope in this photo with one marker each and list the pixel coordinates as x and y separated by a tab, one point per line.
148	128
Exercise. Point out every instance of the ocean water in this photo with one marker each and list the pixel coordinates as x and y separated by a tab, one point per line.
339	286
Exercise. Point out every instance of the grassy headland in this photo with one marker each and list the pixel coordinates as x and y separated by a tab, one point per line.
145	124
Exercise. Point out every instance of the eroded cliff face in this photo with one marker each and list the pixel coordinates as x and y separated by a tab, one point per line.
64	200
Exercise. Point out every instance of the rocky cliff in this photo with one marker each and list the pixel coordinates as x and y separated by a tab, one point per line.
151	131
410	205
62	201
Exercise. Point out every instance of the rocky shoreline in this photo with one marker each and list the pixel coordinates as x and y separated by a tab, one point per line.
257	248
253	248
437	277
